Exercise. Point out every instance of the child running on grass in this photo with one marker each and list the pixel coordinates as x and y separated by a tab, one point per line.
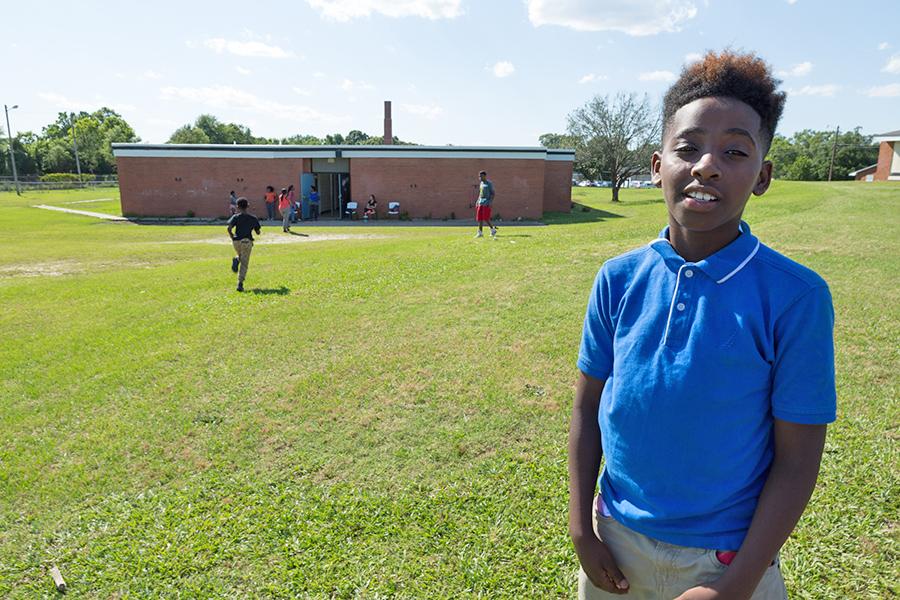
707	369
240	229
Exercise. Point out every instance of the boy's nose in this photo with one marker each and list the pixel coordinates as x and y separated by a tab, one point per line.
706	167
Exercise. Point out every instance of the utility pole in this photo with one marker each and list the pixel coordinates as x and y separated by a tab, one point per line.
837	133
12	155
75	144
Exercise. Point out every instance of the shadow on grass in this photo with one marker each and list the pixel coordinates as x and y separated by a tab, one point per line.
580	214
279	291
298	233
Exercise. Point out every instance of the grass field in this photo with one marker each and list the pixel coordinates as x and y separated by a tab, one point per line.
379	416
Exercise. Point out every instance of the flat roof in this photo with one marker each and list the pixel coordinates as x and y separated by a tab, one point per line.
344	151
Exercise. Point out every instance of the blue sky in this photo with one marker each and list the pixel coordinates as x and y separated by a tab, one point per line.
462	72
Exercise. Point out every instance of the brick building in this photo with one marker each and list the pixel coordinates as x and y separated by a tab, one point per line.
172	180
888	167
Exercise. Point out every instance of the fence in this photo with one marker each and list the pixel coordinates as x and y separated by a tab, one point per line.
30	185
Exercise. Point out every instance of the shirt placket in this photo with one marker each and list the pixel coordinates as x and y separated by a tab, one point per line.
682	307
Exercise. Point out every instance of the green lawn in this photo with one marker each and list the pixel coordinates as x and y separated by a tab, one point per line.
379	416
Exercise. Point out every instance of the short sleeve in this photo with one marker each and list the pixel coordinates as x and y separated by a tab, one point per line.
803	389
595	358
231	219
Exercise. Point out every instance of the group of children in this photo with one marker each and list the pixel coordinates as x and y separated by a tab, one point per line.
284	204
706	366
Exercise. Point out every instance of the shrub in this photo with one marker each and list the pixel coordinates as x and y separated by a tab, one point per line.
57	177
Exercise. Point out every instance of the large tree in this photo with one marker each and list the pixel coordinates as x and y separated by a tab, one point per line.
615	138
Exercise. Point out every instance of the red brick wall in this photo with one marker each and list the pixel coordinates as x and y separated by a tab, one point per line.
170	187
173	187
558	186
885	156
441	187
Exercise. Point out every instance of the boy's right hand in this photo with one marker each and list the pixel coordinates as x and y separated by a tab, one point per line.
598	563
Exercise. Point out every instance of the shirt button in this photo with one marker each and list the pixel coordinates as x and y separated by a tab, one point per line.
680	306
688	273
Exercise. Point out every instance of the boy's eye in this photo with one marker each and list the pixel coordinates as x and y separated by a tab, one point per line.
735	152
684	148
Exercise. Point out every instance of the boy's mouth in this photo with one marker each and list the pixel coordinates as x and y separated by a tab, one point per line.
699	200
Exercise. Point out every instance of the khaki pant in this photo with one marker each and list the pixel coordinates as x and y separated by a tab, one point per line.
659	571
243	248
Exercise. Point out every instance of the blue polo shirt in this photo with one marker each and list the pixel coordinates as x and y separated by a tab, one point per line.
698	358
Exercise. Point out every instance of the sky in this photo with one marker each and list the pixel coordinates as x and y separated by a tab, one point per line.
461	72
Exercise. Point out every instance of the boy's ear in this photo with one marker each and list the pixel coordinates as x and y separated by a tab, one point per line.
764	179
655	176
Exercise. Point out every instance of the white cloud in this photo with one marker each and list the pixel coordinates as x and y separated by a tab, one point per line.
893	65
891	90
504	68
692	57
319	75
635	17
226	97
344	10
300	91
592	77
348	85
151	74
883	46
242	70
657	76
251	49
792	2
798	70
429	111
815	90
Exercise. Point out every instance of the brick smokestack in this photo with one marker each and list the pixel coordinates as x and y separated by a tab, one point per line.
388	129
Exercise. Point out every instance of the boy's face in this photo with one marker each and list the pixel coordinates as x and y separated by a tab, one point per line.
710	163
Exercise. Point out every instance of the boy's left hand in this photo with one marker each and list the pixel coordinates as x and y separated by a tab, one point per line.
701	592
711	591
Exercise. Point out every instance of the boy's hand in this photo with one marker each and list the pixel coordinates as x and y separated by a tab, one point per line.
598	564
705	592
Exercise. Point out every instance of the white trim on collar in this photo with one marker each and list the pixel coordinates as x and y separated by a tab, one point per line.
742	265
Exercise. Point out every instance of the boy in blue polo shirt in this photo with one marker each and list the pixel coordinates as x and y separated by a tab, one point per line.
706	369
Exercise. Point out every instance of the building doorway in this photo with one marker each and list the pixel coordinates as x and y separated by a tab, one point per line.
332	179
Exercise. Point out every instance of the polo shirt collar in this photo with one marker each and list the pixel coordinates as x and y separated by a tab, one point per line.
721	266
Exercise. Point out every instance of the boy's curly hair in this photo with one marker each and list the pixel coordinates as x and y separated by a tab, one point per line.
744	77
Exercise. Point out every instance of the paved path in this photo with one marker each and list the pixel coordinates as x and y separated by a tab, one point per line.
84	213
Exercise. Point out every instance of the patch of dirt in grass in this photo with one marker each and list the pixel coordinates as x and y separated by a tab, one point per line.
68	267
46	269
288	239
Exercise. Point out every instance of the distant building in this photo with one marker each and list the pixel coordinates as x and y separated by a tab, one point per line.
864	174
174	180
888	167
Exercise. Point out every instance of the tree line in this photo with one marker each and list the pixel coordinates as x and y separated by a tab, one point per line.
207	129
613	139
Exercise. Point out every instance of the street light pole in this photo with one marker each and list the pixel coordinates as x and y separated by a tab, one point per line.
75	143
12	156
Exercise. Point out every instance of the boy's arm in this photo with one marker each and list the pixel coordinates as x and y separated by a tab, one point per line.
584	465
791	481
